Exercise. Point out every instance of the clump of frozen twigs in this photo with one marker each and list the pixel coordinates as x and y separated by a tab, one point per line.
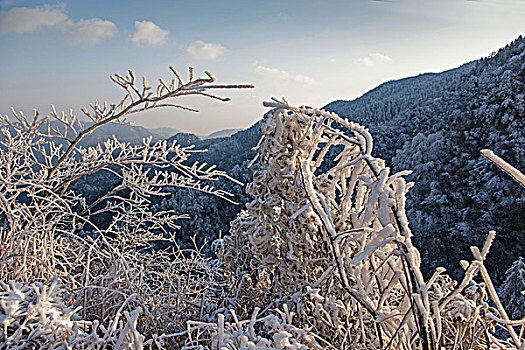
273	331
326	236
35	317
129	266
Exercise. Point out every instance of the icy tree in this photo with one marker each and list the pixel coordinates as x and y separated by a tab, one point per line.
48	229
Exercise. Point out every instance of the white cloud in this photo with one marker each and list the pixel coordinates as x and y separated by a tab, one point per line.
372	59
90	31
303	79
272	72
205	51
276	73
149	34
26	20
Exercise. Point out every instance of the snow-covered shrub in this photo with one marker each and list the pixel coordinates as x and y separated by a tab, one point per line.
35	317
48	229
273	331
326	235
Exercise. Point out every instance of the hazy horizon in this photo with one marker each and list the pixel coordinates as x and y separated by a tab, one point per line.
312	52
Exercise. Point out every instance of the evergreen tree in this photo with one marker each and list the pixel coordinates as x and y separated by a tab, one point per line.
512	292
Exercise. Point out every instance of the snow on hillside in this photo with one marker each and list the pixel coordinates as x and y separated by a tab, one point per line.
436	124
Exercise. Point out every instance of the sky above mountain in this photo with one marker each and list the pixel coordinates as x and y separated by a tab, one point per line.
309	51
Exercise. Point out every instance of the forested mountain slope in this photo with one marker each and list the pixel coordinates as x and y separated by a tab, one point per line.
210	215
398	110
435	125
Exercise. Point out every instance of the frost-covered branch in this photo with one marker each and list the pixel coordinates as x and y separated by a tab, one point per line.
503	165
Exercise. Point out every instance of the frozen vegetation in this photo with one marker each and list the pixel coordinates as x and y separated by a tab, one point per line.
323	255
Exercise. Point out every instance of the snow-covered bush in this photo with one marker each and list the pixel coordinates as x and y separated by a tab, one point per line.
48	229
326	237
35	317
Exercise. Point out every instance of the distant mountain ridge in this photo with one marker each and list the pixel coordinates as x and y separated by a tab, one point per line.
221	133
164	132
225	152
125	133
134	134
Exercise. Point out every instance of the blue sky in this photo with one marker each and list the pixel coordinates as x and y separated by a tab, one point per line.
310	51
